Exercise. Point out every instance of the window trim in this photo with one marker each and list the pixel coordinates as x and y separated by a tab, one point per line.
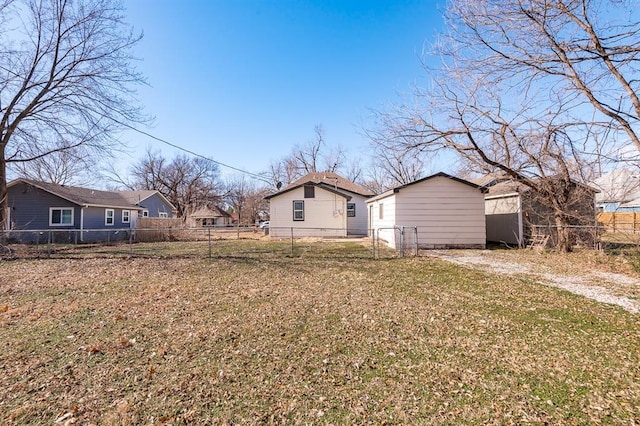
51	209
126	216
298	210
381	211
106	217
351	212
145	213
163	215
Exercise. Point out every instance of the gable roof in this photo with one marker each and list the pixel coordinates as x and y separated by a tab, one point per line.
511	187
91	197
439	174
327	180
209	212
619	185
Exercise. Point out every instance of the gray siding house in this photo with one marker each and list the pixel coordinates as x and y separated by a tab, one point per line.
42	206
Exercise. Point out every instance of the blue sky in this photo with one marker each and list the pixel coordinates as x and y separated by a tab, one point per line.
243	81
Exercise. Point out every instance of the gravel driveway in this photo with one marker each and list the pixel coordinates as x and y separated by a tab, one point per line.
606	287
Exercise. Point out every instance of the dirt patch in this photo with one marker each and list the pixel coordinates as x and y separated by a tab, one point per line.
606	287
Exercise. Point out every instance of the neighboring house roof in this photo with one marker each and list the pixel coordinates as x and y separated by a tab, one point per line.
209	212
440	174
329	181
138	197
511	187
91	197
619	185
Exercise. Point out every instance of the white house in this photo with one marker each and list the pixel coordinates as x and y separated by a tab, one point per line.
321	204
447	212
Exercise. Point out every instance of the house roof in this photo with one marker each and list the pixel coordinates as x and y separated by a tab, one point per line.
90	197
619	185
209	212
512	187
439	174
326	180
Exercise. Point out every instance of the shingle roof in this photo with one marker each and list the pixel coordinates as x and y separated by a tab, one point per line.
327	179
90	197
208	212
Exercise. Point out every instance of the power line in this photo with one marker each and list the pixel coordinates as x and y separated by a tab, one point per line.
195	154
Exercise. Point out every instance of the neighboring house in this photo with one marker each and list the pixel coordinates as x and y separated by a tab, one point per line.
209	216
513	212
153	203
41	206
320	204
448	212
619	191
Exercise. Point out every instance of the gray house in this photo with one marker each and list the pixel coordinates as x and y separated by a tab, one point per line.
42	206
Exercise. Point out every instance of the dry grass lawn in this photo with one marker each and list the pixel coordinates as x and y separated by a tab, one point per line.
305	340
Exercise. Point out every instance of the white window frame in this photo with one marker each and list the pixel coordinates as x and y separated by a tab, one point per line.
62	209
106	217
163	214
145	213
126	216
301	219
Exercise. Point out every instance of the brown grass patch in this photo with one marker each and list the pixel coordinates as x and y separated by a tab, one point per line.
305	340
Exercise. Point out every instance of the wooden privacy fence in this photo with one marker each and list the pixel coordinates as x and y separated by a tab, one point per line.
620	221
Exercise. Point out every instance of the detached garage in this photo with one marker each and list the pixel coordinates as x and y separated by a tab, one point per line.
448	212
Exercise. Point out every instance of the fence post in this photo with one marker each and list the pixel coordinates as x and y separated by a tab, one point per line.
49	244
415	238
291	241
130	242
402	241
209	232
373	244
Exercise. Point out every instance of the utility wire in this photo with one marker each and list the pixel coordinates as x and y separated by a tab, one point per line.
195	154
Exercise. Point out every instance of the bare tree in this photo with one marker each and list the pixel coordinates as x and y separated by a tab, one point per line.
66	167
527	90
313	156
584	51
188	183
246	199
66	79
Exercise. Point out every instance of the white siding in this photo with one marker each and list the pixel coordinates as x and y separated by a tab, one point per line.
383	227
447	213
324	215
358	225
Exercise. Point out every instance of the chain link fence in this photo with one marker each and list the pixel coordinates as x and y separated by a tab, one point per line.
210	242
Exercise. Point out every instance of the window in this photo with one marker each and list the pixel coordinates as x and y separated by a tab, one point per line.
351	209
145	213
309	191
163	214
126	216
60	216
109	215
298	210
381	211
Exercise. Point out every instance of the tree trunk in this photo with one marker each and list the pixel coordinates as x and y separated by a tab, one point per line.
564	233
4	198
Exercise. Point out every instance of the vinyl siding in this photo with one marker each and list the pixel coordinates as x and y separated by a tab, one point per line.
358	225
383	227
324	215
447	213
155	204
29	208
